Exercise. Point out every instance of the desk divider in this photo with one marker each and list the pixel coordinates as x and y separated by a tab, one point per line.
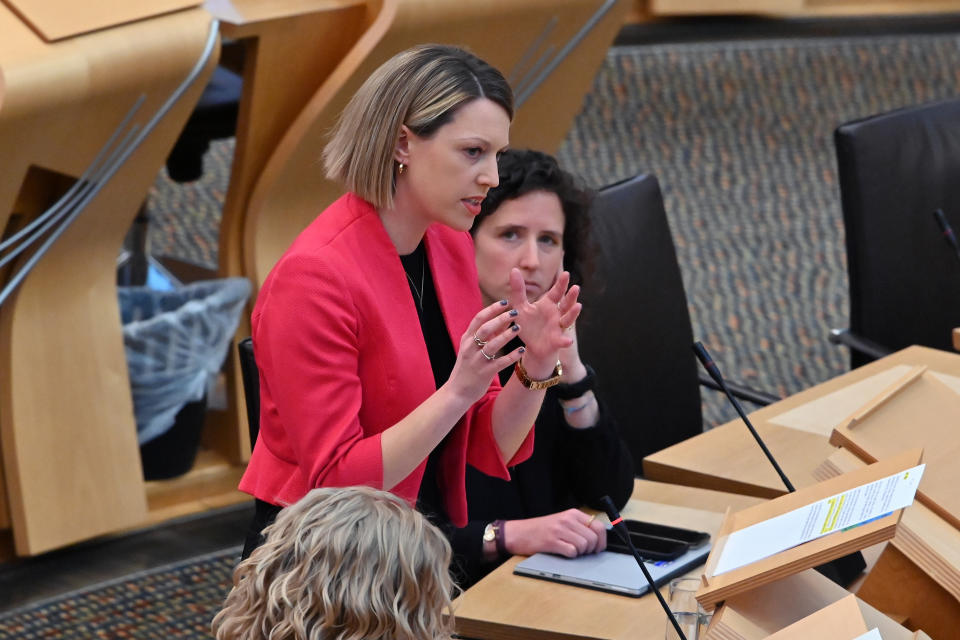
841	620
56	20
795	599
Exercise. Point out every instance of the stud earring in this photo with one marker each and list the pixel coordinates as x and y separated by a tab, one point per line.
400	169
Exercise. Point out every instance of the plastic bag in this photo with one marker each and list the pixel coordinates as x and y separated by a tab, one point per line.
175	343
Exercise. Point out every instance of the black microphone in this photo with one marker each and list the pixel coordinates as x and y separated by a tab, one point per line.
840	570
621	530
714	372
947	231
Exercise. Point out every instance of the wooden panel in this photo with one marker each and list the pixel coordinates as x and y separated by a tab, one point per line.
256	13
820	416
5	521
877	7
727	458
706	7
211	477
930	408
66	419
756	615
57	20
841	620
897	586
800	8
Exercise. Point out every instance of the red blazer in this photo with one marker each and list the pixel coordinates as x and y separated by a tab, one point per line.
342	357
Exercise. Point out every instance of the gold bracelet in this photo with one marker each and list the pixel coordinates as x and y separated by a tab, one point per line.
537	385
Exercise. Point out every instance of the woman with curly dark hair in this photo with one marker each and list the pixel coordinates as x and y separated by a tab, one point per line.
537	220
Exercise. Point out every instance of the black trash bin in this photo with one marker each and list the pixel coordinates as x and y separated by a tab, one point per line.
175	342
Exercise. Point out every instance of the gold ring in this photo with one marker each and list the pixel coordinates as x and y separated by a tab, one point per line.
592	518
480	343
485	355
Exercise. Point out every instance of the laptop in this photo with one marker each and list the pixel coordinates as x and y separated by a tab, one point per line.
610	571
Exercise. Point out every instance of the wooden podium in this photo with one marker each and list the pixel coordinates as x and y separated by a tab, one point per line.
917	577
68	76
916	410
718	586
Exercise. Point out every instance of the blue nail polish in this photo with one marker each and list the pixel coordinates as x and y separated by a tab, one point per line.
515	328
503	303
514	313
522	350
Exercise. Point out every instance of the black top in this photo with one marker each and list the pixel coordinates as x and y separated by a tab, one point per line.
568	468
442	358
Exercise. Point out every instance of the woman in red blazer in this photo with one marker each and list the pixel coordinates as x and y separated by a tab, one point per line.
375	356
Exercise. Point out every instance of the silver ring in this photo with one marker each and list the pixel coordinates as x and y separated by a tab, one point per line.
480	343
484	354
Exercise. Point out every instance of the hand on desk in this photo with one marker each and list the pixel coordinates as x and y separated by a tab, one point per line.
568	533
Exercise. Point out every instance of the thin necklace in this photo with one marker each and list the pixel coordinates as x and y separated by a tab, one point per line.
419	291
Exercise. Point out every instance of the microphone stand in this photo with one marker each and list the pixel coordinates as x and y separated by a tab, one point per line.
841	570
714	372
621	529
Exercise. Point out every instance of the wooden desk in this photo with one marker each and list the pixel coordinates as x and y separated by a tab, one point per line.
727	458
503	606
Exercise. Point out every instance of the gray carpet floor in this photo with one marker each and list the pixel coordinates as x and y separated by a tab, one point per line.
740	135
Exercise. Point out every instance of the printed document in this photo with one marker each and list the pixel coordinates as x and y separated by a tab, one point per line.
843	511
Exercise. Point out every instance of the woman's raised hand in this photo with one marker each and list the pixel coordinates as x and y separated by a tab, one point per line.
543	323
477	360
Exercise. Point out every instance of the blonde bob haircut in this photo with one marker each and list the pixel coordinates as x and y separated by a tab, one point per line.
342	564
421	88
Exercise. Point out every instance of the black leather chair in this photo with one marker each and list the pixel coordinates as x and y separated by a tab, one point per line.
251	386
635	328
895	169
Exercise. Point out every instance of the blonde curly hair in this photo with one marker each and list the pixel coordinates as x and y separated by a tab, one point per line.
343	564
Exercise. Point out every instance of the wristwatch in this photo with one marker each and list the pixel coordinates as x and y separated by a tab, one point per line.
493	532
537	385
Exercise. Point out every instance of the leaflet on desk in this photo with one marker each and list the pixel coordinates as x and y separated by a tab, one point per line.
840	512
873	634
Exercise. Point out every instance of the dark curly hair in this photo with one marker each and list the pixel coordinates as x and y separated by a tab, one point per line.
524	171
